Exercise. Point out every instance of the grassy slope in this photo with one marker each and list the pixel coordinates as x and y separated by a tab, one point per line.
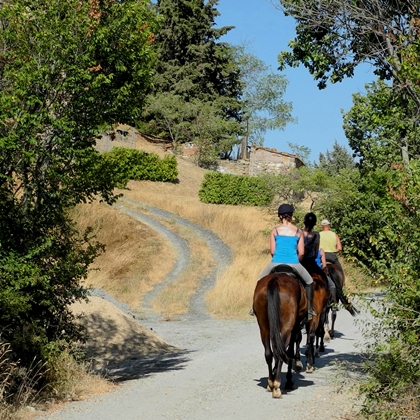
133	260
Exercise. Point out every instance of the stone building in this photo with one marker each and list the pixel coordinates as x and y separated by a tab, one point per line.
271	161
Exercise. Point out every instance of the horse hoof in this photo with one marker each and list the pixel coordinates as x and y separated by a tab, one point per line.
290	385
309	369
327	338
322	349
277	393
297	366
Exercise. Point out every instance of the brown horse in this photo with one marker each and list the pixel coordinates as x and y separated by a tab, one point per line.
281	306
337	276
315	327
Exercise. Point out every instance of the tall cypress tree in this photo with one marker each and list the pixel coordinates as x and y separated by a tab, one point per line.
195	71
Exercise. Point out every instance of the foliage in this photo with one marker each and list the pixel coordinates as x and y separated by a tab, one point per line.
336	160
373	126
375	214
67	70
139	165
334	37
263	106
201	123
302	151
196	79
220	188
294	185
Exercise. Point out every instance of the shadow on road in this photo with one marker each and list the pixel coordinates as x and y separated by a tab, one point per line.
142	368
347	362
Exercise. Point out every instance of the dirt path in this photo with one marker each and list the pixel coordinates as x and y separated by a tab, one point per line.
220	252
218	370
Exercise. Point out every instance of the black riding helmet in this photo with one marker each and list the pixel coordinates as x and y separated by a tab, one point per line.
309	220
285	209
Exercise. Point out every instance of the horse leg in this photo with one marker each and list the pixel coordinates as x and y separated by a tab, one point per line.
327	337
333	318
269	360
276	393
297	364
310	358
317	346
289	383
321	332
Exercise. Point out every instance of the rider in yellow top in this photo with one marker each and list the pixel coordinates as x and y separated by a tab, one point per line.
330	243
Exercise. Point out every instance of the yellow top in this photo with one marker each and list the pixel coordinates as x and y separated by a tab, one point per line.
328	241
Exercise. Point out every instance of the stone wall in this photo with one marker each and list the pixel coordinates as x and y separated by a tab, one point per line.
234	167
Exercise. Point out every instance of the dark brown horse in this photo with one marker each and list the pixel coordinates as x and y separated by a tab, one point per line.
315	327
280	305
337	276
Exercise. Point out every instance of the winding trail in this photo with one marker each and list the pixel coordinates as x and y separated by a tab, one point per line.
220	371
220	253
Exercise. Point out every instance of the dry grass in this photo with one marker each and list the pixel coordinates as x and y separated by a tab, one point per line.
20	389
243	229
128	275
127	269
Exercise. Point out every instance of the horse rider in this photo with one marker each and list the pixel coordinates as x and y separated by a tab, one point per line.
287	247
314	251
330	243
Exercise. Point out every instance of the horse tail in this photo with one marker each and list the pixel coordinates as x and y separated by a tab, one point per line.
341	296
345	301
273	309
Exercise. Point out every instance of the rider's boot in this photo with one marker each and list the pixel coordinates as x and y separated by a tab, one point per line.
309	289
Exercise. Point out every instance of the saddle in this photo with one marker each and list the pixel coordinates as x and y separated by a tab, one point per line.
286	269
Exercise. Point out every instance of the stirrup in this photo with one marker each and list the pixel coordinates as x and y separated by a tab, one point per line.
311	314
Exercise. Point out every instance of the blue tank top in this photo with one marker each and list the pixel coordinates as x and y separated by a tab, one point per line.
286	250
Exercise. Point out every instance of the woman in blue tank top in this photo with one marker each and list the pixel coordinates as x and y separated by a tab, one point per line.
287	247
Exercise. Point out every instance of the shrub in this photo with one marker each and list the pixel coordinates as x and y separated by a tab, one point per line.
220	188
125	164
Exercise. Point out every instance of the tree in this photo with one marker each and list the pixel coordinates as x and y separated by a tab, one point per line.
372	127
302	151
263	106
67	69
193	66
339	158
334	37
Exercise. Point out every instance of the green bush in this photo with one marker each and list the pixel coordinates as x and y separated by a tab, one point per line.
220	188
126	164
377	216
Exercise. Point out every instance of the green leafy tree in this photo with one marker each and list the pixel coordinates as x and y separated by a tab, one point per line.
262	97
335	160
333	37
193	67
67	69
303	152
373	126
374	213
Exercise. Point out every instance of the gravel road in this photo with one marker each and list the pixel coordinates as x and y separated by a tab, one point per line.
220	372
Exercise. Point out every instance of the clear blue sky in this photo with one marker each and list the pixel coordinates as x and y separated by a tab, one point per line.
268	32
